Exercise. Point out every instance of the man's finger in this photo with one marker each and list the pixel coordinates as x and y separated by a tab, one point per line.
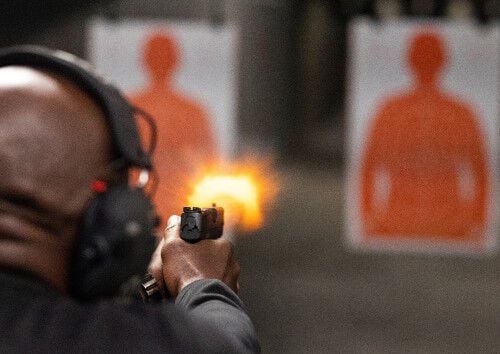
172	230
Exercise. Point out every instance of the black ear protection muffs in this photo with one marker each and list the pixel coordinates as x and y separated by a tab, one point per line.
116	237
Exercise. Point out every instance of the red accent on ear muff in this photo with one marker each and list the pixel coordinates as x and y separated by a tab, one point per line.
99	186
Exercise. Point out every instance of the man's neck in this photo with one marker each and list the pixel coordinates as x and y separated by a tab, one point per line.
27	248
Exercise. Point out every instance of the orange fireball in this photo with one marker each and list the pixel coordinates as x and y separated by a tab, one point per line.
242	190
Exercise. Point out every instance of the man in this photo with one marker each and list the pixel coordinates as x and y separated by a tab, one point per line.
54	142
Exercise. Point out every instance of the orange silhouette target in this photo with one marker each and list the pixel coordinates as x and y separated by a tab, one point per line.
185	139
424	172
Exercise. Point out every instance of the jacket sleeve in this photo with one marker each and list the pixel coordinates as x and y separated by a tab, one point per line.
220	316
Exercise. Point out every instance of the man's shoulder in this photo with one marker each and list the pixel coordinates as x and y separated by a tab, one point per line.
42	320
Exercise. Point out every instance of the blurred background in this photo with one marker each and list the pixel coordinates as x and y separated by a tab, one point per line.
306	290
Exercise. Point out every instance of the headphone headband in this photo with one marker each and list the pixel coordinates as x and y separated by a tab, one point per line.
118	112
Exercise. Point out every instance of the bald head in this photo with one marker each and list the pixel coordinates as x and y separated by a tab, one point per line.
53	138
53	142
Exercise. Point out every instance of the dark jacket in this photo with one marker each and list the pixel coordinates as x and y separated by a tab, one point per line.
207	317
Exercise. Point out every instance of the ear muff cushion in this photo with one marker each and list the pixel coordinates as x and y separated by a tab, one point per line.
116	242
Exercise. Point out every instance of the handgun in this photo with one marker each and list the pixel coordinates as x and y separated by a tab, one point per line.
200	224
196	224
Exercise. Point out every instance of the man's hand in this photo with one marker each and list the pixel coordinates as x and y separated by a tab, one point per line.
179	263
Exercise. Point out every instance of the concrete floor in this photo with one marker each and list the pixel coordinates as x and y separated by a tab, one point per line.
307	294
